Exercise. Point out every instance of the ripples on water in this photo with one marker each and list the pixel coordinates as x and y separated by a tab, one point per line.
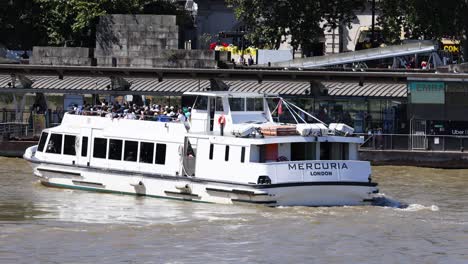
422	218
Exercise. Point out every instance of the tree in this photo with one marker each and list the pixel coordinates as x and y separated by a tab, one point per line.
19	25
25	23
423	19
73	22
270	23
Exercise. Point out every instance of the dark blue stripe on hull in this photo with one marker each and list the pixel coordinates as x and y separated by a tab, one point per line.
295	184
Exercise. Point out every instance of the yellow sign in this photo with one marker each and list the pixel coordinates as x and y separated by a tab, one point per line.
237	51
452	48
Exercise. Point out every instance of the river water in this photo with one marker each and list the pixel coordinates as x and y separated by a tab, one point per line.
423	219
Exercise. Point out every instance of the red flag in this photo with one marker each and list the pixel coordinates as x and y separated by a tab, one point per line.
213	45
280	107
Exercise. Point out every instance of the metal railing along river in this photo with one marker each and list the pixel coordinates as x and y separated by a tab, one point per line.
414	142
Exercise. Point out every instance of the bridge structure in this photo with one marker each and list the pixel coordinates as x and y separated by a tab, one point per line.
361	56
20	78
259	74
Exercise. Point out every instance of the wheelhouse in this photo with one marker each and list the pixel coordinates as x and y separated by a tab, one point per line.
238	108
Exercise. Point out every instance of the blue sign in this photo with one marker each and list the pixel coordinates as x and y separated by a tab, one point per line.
427	92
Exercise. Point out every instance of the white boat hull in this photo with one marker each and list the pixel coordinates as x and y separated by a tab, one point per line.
202	190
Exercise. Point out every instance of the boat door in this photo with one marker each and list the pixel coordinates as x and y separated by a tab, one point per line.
189	156
418	134
211	109
83	150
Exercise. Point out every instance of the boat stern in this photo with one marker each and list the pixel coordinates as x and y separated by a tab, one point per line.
319	182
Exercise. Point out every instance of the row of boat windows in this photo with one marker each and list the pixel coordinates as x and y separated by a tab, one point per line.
126	150
235	104
226	153
54	145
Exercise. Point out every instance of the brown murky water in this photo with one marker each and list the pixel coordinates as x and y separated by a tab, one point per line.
424	220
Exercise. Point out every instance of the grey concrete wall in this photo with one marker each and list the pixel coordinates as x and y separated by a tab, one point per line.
145	41
131	41
165	58
125	35
74	56
213	17
432	159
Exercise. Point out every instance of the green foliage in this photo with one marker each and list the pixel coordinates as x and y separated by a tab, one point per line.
19	24
270	23
70	22
423	19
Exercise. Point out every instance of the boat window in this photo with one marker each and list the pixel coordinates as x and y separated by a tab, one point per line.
325	151
160	153
190	149
211	151
201	103
237	104
146	152
100	148
333	151
55	144
115	149
303	151
243	154
84	147
254	104
226	154
131	150
269	153
42	141
69	145
219	104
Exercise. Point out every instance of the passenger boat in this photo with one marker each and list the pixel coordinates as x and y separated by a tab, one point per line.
257	160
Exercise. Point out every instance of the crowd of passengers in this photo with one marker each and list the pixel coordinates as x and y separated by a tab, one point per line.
132	111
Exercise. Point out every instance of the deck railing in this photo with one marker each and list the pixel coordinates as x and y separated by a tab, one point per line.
10	130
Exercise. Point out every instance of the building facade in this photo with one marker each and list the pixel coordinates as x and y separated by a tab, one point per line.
215	16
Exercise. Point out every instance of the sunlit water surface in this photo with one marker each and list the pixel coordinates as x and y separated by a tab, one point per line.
424	219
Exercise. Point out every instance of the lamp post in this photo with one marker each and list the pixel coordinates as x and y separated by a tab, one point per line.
373	22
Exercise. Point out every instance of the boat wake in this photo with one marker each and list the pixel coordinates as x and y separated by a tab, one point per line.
420	207
385	201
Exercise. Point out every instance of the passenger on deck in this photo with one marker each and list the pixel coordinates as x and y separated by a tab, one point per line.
181	117
130	115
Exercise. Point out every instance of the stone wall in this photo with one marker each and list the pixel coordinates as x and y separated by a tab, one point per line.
62	56
146	41
132	41
135	35
164	58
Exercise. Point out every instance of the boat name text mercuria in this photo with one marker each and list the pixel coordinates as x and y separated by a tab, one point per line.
318	166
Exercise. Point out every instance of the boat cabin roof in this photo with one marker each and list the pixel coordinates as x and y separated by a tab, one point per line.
230	94
231	140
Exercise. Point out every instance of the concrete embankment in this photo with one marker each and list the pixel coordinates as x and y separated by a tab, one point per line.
14	148
432	159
